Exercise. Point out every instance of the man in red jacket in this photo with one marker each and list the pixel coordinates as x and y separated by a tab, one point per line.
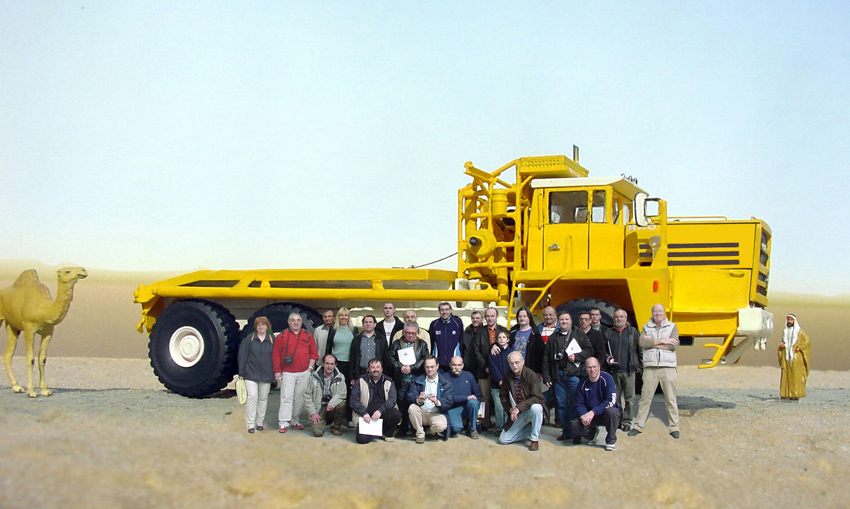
293	357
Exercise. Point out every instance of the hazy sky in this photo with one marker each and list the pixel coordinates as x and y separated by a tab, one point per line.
178	135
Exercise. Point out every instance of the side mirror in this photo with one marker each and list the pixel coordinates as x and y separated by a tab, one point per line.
640	209
645	208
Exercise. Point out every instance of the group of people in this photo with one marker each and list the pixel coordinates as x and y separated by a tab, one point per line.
435	381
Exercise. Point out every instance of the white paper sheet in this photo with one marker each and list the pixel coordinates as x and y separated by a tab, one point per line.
374	428
407	356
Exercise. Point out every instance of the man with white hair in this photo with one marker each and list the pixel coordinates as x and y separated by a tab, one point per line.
794	360
659	340
522	394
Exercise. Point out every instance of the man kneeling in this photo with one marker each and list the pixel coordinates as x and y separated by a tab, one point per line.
325	397
522	393
374	397
596	402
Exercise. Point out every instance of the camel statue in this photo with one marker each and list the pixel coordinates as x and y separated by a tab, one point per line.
26	306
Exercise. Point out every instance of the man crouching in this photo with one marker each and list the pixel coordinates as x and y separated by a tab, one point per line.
522	393
596	402
325	397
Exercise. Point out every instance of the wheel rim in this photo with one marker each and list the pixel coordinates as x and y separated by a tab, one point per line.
186	346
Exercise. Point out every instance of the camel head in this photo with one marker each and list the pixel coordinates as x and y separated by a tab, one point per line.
70	275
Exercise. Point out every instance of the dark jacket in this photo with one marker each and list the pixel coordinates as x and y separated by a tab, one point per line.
532	393
534	351
464	386
630	346
266	372
361	394
475	350
596	396
354	355
382	333
445	338
558	344
445	390
420	348
499	366
600	349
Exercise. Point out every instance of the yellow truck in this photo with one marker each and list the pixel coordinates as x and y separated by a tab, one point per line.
538	231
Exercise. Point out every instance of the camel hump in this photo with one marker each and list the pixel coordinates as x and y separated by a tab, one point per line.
27	278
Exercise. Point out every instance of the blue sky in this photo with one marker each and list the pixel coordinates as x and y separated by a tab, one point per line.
179	135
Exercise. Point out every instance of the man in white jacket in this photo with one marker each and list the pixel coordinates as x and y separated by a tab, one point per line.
659	340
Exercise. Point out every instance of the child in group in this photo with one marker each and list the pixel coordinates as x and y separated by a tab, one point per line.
498	369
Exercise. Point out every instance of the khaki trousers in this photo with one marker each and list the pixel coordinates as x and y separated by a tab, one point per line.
420	418
652	378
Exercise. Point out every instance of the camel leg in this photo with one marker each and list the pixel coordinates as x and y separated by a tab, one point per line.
29	337
42	360
11	343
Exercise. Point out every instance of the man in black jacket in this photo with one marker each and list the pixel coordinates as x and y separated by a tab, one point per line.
624	359
389	326
565	353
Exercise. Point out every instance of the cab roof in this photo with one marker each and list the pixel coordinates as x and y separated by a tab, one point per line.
621	185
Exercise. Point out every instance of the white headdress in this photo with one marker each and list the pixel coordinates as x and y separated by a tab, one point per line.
789	337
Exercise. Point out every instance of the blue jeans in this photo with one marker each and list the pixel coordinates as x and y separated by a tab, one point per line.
527	425
565	394
468	410
498	411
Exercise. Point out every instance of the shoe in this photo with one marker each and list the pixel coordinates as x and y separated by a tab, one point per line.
577	441
634	432
595	434
297	427
282	430
452	434
444	436
420	440
260	428
498	433
674	434
388	438
401	433
250	430
563	437
336	431
535	446
610	447
351	424
473	435
625	427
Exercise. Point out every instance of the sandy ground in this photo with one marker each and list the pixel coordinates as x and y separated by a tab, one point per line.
111	436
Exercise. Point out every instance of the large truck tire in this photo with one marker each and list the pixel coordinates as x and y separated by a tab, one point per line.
577	306
278	315
193	348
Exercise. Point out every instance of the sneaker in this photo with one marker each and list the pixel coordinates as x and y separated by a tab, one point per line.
674	434
610	447
388	438
297	427
634	432
250	430
473	435
260	428
282	429
535	446
625	427
420	440
336	431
